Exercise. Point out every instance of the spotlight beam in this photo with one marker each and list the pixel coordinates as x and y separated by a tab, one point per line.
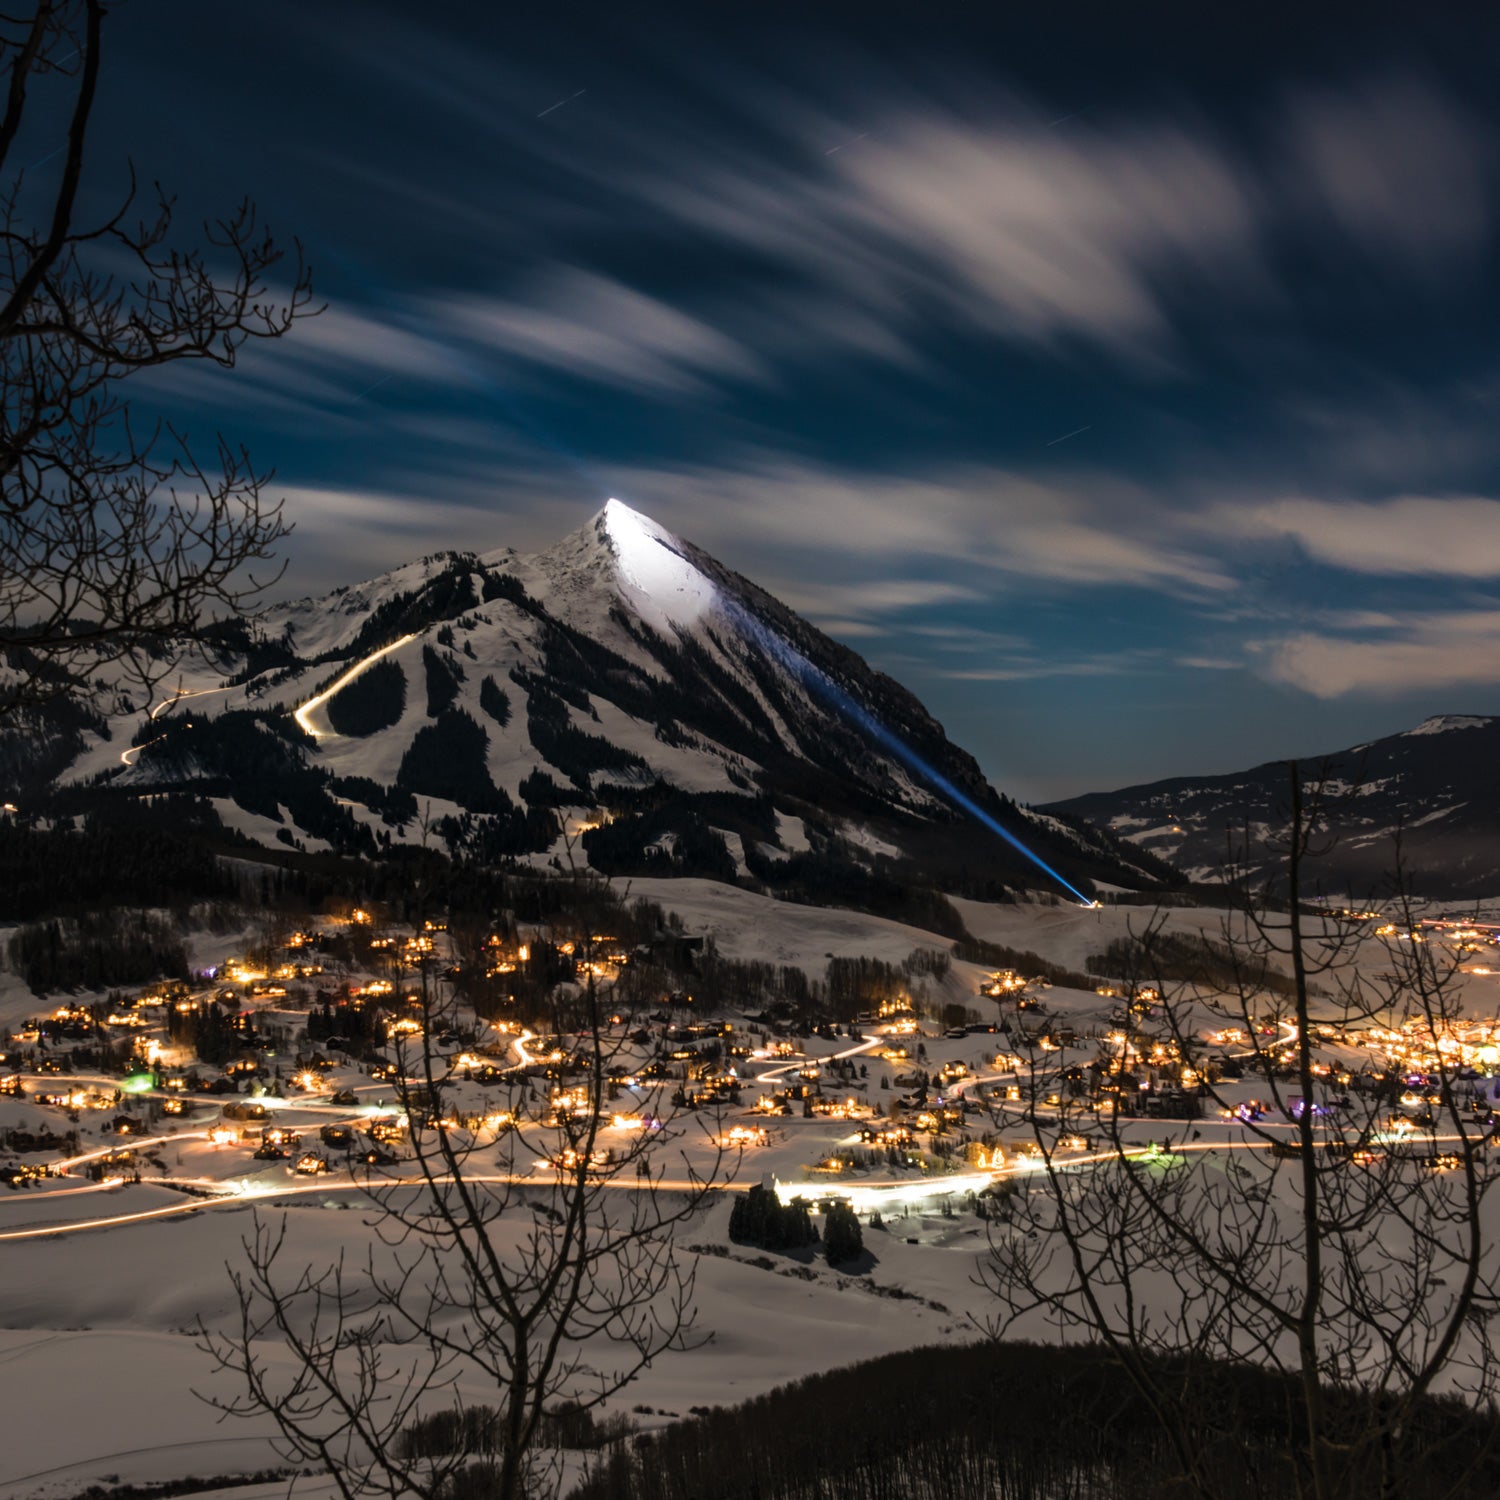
819	682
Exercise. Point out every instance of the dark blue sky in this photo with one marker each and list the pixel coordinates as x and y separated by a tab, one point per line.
1122	379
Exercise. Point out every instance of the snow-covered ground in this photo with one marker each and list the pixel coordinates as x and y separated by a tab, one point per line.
104	1327
105	1284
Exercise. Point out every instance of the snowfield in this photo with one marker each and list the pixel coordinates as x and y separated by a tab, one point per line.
106	1283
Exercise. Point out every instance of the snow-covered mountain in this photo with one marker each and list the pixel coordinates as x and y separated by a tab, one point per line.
620	697
1434	784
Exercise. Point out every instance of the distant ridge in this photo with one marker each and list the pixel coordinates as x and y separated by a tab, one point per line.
1435	784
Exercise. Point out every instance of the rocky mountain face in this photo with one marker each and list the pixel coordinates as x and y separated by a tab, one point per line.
1434	785
620	698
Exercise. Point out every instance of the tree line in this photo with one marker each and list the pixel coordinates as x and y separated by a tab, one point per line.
1010	1421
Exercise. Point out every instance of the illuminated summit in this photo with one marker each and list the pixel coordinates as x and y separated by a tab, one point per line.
665	589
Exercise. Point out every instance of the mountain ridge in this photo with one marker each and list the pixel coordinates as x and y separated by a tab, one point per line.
1408	784
621	691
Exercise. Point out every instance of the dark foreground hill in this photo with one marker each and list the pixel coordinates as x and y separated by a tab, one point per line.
1010	1421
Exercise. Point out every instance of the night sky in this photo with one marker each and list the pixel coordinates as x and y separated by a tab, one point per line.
1122	379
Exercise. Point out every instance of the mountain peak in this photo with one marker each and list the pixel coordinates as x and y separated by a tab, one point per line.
1442	723
652	569
617	513
621	669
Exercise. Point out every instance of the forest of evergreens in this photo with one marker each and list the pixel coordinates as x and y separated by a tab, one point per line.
1012	1421
375	700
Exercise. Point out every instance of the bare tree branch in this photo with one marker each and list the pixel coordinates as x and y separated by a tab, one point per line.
1327	1235
527	1252
119	541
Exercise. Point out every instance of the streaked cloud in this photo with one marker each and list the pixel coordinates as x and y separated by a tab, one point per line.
988	522
344	535
1036	667
848	629
999	222
1456	537
332	361
594	327
1039	235
874	596
1423	651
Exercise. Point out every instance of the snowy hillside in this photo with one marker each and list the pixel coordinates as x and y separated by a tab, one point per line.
621	696
1434	785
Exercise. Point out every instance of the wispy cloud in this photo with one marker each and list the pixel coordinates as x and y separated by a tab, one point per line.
874	597
969	639
597	328
981	219
332	361
867	227
1030	664
858	224
1432	650
1456	537
983	522
343	534
1039	235
1036	667
849	629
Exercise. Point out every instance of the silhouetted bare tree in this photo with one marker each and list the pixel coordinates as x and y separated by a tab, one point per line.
527	1272
118	542
1335	1231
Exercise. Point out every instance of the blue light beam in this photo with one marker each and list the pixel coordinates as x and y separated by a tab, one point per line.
818	681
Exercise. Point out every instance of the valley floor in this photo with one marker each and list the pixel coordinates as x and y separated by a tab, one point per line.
104	1284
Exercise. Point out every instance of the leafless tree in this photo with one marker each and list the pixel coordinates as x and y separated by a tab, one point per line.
1334	1231
118	541
526	1262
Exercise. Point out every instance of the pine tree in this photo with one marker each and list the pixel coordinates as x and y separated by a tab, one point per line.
842	1239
